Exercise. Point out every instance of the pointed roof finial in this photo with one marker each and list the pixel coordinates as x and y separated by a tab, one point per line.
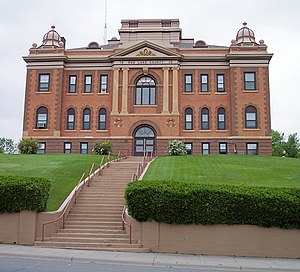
244	24
53	26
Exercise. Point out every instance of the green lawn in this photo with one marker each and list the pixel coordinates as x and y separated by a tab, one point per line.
228	169
64	170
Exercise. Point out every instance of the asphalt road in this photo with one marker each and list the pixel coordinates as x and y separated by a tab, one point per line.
17	264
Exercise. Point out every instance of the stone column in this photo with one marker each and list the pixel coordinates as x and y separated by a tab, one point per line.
125	91
175	91
115	94
166	91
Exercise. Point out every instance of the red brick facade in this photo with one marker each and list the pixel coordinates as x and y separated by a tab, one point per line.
148	53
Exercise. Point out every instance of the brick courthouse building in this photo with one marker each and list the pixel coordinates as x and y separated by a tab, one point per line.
146	88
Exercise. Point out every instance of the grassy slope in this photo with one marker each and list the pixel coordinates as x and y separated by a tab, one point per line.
64	170
228	169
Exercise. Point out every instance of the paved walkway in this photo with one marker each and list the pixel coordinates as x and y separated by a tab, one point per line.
153	259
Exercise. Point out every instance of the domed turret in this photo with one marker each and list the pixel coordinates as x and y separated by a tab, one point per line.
245	36
51	38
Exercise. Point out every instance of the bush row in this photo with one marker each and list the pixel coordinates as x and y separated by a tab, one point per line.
194	203
23	193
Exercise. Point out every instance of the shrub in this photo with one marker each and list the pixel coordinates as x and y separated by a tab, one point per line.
28	146
102	148
23	193
176	148
194	203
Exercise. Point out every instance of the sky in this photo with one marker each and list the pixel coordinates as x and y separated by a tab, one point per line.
214	21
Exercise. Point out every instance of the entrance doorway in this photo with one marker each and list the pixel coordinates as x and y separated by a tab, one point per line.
144	140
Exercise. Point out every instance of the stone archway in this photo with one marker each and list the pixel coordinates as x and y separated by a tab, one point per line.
144	140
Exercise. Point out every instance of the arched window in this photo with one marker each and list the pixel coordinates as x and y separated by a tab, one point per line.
188	113
71	119
102	119
251	117
221	119
42	118
145	93
205	119
86	120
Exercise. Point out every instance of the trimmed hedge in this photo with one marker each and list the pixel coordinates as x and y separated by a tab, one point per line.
23	193
195	203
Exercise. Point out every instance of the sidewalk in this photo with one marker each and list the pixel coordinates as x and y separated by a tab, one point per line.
153	259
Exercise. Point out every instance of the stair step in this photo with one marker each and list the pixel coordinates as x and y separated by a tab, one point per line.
95	227
94	222
89	235
137	249
89	240
86	245
92	231
93	219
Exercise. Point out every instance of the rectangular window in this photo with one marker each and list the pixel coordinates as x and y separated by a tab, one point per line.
67	148
205	148
103	83
42	148
251	120
204	122
252	148
220	83
83	148
223	148
221	121
188	122
204	83
188	80
44	82
250	81
87	84
72	84
189	148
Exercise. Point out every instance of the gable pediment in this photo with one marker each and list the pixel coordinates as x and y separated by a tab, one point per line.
145	50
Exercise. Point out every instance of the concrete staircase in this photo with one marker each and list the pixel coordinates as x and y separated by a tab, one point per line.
94	222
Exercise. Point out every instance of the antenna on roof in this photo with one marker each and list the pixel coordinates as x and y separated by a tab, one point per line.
105	25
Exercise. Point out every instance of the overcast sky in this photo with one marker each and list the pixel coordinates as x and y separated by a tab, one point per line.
214	21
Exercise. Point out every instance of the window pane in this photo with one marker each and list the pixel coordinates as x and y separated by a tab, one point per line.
152	96
188	126
88	79
139	142
138	96
72	79
204	118
188	118
139	148
145	96
204	78
44	78
249	85
250	116
149	142
188	78
86	118
249	76
221	117
71	118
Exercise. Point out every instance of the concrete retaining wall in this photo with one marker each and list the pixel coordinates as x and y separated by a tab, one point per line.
224	240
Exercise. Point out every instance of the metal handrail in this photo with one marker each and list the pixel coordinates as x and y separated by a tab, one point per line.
62	216
125	223
74	195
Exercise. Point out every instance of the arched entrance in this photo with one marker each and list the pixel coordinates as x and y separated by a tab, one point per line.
144	140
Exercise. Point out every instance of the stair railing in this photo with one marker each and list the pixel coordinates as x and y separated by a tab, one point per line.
125	223
62	216
87	182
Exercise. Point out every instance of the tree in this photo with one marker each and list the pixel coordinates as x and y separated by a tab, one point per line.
7	146
28	146
277	143
292	146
